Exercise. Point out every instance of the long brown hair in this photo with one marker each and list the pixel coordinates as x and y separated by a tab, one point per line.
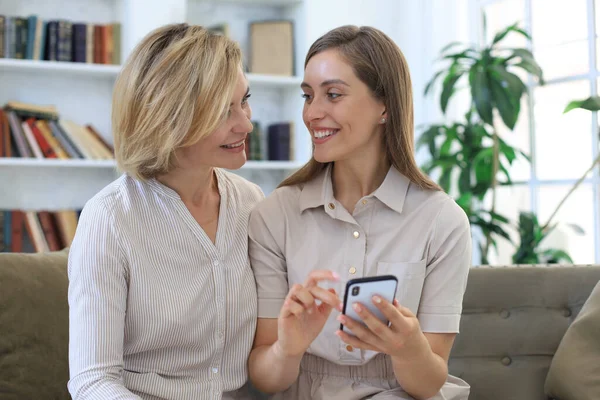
378	62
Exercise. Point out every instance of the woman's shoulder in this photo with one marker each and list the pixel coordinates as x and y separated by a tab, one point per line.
284	199
248	191
437	203
107	198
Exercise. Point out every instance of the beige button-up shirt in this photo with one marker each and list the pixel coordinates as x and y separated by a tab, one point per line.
422	237
157	311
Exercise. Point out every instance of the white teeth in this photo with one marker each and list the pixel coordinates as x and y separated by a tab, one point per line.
323	134
233	146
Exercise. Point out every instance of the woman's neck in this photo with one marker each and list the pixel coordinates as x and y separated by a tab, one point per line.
356	178
194	186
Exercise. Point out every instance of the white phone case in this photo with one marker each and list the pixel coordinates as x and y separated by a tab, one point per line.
362	291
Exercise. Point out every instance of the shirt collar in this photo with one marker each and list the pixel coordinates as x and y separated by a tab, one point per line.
393	190
314	192
319	191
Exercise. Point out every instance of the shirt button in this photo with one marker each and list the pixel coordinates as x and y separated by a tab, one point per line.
331	206
364	202
349	348
356	234
352	270
216	263
215	370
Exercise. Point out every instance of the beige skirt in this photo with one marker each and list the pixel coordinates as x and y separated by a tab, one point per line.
320	379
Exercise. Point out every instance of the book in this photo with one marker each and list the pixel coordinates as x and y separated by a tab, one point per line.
272	47
49	230
279	137
35	231
18	135
17	231
255	143
2	33
32	110
66	144
33	144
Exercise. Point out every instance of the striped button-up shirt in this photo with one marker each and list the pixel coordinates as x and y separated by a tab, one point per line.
157	311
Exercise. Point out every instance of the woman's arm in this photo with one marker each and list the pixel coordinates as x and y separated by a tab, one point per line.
419	360
97	306
424	376
280	343
420	347
271	371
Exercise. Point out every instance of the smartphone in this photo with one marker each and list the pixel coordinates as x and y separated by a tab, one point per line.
362	290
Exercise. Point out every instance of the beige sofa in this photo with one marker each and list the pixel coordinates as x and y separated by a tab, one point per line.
514	319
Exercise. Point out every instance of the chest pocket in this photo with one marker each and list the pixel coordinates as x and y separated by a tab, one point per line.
411	277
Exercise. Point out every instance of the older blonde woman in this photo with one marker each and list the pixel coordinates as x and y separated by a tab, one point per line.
162	298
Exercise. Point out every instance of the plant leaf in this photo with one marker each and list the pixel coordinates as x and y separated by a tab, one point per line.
448	87
508	151
428	137
556	256
449	46
432	81
512	28
591	104
579	230
464	201
506	104
464	180
532	68
465	54
445	179
481	94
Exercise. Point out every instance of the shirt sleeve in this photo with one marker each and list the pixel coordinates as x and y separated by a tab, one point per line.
447	271
267	258
97	305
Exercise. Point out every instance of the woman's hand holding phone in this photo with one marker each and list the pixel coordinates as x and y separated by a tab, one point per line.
403	338
301	319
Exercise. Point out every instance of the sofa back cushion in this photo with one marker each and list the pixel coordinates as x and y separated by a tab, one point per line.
513	321
575	370
34	326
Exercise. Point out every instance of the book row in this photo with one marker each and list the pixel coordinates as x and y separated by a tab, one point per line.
34	232
32	38
32	131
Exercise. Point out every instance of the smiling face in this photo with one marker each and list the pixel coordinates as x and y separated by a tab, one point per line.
224	147
340	111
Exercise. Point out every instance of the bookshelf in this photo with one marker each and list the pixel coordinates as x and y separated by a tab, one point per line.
83	92
57	67
42	184
111	71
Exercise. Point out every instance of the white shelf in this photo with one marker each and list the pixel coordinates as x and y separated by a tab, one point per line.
111	71
274	81
273	165
92	70
55	163
283	3
28	182
36	163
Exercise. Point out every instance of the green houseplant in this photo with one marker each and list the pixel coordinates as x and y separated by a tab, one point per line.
470	157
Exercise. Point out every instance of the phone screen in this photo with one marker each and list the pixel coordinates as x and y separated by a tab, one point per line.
362	290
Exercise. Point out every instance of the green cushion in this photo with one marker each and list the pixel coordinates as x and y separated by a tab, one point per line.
34	326
575	370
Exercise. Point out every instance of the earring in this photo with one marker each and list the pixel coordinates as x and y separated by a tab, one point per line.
382	120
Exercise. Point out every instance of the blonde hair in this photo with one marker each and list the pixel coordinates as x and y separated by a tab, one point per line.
174	90
378	62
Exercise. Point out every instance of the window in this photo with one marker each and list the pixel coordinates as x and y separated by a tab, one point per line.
562	146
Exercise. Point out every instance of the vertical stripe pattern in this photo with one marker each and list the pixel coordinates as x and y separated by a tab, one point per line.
157	311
